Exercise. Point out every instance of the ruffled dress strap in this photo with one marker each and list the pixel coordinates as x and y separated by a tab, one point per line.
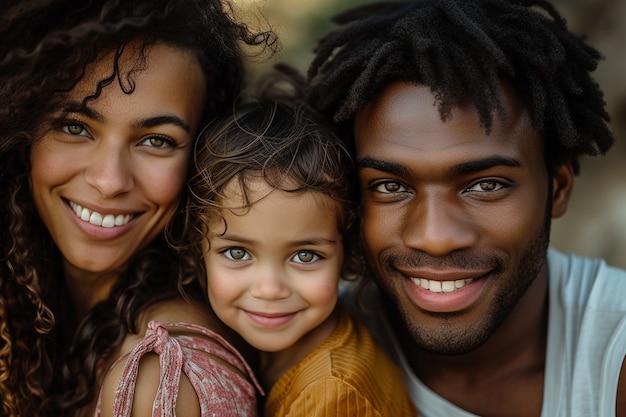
221	391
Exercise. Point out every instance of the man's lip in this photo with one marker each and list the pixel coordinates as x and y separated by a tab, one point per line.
446	290
444	274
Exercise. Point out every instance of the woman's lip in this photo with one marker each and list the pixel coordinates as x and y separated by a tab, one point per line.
98	232
270	319
104	218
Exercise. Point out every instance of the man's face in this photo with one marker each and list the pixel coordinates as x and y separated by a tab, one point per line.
455	221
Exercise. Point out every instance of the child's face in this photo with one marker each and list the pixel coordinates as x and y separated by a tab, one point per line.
273	276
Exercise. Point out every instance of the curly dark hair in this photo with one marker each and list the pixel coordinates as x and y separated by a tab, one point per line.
463	50
45	47
274	133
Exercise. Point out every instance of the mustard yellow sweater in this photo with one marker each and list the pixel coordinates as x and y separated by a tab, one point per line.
346	375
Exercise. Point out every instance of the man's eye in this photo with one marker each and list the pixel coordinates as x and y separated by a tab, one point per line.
390	187
486	186
236	254
305	257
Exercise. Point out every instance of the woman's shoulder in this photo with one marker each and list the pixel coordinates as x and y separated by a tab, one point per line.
178	310
177	362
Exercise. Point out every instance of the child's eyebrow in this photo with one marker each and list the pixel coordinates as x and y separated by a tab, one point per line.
232	238
316	241
313	241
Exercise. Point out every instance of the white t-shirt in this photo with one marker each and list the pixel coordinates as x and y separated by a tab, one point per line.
586	341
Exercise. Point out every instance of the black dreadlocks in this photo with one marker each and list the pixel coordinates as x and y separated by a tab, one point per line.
462	50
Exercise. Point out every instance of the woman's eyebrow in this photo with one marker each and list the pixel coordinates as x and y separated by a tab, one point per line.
165	119
77	107
148	122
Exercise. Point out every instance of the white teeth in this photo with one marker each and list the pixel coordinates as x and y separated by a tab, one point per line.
434	286
121	220
440	286
108	221
96	218
84	213
447	286
93	217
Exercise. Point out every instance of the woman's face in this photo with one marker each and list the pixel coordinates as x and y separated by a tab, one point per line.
106	177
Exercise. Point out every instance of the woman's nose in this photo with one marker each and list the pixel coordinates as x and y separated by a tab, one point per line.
110	170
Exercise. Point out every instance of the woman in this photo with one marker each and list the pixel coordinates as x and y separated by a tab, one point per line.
101	104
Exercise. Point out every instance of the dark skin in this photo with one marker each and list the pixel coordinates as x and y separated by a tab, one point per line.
621	392
447	205
507	370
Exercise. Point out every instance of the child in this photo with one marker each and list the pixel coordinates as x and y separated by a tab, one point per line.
273	194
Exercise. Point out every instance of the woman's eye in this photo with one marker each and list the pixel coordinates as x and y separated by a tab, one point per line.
159	142
305	257
75	129
486	186
390	187
237	254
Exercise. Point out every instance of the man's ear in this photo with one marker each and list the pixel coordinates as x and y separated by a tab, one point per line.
562	184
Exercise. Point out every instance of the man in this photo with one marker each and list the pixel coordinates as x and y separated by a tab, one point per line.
467	118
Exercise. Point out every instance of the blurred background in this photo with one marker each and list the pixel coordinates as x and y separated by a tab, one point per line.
595	224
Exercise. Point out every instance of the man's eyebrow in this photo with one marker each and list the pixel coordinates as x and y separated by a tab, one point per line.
164	119
383	166
483	164
457	170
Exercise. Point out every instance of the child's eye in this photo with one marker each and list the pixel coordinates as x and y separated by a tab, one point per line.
305	257
237	254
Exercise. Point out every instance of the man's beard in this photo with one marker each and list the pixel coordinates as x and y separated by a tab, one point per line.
455	338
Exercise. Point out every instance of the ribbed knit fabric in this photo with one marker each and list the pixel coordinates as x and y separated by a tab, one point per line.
221	390
346	375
